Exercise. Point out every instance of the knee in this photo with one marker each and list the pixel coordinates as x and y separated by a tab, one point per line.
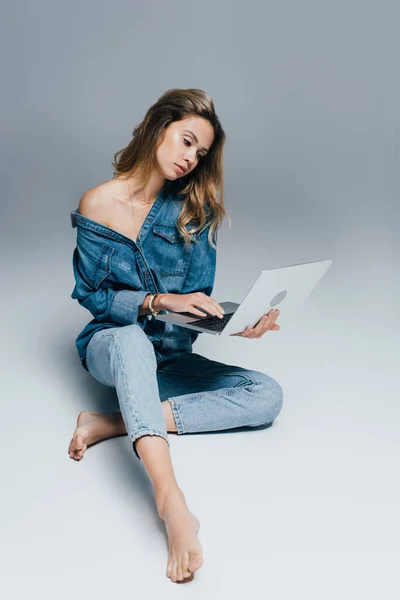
130	333
268	398
131	338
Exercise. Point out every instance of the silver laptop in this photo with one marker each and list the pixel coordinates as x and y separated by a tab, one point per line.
285	288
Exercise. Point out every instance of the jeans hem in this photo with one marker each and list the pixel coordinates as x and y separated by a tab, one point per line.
142	432
178	421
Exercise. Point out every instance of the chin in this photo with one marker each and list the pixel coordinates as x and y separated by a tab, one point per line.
171	173
167	175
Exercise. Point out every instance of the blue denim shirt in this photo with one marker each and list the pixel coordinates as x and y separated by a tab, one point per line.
113	274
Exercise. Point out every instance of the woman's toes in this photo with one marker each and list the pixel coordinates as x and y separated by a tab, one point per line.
75	455
78	442
82	450
174	574
186	575
171	569
185	565
195	562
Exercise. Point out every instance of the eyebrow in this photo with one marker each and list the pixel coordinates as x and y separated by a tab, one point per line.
197	141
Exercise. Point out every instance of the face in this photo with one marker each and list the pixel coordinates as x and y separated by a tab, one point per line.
180	146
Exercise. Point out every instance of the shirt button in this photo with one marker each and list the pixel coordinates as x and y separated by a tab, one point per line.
150	220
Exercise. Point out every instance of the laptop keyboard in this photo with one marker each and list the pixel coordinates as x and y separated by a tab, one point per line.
213	323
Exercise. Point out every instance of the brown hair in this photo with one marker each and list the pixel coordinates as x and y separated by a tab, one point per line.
200	187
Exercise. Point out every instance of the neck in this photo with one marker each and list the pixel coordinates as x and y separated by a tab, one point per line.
151	190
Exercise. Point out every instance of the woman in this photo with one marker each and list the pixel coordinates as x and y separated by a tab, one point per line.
146	242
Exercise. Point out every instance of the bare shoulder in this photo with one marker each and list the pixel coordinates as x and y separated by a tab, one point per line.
96	203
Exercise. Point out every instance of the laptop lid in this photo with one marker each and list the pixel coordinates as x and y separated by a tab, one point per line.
285	288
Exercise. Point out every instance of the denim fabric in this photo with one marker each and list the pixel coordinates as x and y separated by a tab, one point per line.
204	395
113	274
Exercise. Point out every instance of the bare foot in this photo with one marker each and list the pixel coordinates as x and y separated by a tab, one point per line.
92	427
185	551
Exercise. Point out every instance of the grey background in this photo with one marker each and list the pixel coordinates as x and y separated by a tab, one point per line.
308	94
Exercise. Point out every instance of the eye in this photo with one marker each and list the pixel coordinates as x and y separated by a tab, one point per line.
189	144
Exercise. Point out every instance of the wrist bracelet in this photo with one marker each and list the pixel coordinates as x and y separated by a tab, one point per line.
152	298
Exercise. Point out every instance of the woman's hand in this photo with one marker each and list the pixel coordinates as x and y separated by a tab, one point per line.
266	323
183	303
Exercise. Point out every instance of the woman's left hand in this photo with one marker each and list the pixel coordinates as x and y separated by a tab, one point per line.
266	323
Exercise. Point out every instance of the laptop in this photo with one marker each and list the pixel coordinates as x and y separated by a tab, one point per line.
285	288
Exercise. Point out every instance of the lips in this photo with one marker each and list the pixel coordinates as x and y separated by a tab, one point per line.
181	168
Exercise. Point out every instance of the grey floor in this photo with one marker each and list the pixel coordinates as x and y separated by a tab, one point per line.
307	508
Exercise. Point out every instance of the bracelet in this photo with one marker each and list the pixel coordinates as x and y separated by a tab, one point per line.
152	298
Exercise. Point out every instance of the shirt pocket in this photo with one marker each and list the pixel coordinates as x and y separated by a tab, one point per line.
169	253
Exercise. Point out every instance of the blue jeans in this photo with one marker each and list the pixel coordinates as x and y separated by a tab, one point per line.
205	395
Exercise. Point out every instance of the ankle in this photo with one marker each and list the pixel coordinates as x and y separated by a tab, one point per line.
164	496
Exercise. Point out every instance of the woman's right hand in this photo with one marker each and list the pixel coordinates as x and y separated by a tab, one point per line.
191	303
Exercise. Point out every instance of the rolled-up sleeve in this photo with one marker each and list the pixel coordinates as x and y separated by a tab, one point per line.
125	306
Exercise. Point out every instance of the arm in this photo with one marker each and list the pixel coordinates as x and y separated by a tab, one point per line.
104	303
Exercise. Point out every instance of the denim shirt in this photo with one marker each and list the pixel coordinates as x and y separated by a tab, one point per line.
114	274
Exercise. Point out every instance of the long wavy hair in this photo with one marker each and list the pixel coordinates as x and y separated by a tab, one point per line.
200	188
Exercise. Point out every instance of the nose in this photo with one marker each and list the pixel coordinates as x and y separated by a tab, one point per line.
189	159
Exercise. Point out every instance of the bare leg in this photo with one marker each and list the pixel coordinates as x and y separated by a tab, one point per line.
95	426
185	551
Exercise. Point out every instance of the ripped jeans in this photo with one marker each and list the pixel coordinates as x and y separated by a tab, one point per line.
205	395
